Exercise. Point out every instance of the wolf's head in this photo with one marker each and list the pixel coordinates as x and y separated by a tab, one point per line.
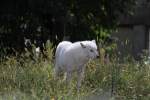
90	49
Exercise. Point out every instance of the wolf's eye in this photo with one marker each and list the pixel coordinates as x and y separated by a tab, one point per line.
91	50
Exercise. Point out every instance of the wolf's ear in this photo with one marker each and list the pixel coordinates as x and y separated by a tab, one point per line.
82	45
94	41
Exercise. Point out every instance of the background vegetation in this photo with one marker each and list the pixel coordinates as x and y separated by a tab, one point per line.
54	19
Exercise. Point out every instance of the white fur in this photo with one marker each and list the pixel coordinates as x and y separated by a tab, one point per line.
71	57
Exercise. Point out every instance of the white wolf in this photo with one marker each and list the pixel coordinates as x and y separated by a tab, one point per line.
70	57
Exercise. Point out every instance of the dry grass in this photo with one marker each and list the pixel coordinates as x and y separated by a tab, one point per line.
24	79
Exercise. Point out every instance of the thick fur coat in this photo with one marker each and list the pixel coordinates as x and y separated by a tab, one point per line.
70	57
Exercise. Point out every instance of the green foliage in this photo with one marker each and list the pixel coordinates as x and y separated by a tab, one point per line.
79	19
134	82
27	79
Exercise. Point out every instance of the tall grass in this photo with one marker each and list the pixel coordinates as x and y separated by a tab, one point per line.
22	78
